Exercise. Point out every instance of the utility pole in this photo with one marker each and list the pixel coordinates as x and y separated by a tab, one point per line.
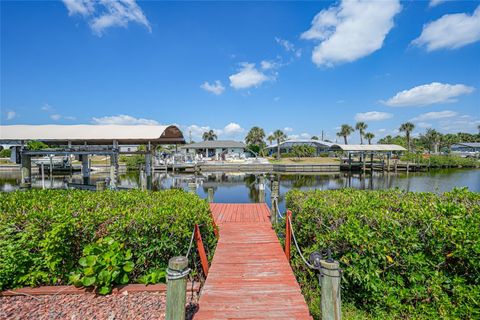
322	135
190	135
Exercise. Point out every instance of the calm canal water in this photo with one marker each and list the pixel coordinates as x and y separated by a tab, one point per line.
243	187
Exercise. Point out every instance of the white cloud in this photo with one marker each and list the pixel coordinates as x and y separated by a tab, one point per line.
267	65
46	107
55	117
216	88
81	7
248	76
289	47
427	94
459	124
424	125
11	115
288	129
435	115
434	3
232	129
351	30
123	119
373	116
305	135
451	31
104	14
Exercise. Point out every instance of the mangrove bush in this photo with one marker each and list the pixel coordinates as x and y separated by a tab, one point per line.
48	237
404	255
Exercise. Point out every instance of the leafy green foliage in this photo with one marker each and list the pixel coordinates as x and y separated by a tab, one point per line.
442	161
5	153
43	233
133	162
302	151
104	263
403	255
36	145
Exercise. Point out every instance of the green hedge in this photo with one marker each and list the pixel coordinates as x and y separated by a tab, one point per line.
43	234
404	255
442	161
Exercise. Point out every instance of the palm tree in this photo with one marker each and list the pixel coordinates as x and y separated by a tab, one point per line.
255	136
433	138
407	127
280	137
345	131
270	139
369	136
209	135
361	127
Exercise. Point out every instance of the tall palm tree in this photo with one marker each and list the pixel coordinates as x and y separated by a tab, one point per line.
270	139
407	127
209	135
433	138
361	127
255	136
369	136
280	137
345	131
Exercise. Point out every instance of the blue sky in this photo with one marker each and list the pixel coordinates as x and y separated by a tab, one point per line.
302	67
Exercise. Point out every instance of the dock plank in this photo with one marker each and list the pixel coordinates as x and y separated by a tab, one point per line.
250	277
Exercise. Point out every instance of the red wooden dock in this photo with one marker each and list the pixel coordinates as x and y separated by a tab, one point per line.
250	277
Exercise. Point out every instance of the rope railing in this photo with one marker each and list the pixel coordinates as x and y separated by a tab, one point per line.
296	245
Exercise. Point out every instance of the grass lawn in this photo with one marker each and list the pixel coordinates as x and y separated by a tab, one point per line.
312	160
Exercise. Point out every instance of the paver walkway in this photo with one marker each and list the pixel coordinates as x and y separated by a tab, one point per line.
250	277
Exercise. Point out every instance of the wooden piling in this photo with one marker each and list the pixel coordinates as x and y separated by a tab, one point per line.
274	201
100	185
330	296
288	234
210	195
192	187
176	289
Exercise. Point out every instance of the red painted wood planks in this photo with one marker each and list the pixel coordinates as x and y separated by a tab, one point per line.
250	277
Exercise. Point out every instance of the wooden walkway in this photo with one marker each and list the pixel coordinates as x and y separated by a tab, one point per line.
250	277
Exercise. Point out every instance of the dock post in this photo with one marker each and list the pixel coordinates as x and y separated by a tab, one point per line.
100	185
210	194
261	189
192	187
148	169
26	170
274	201
43	176
85	169
288	234
388	162
364	158
349	161
176	288
330	283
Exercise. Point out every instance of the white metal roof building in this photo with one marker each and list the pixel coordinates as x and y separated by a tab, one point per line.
91	134
367	147
285	146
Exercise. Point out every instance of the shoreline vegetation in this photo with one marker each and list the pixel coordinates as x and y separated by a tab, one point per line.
57	237
404	255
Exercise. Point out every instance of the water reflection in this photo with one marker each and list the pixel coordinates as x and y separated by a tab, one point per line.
244	187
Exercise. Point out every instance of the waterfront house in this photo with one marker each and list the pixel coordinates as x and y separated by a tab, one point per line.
466	149
217	149
286	146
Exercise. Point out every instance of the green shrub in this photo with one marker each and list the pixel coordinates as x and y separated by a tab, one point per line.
440	161
403	255
44	233
5	153
302	151
133	162
104	263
